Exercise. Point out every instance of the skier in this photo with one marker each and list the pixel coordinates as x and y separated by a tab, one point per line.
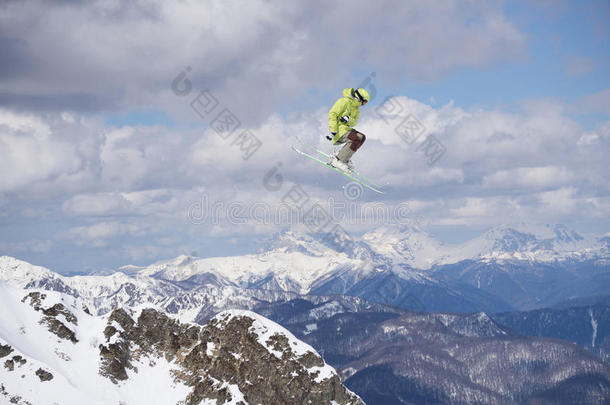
342	118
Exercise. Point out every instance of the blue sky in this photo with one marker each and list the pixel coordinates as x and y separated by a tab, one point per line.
103	160
554	41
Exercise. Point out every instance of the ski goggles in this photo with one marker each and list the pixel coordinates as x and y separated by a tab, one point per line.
360	98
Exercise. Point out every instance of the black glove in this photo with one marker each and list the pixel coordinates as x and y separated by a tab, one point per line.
344	119
331	136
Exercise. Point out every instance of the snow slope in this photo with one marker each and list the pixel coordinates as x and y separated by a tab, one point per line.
74	366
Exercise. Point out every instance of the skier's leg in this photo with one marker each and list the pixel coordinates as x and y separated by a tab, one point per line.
354	141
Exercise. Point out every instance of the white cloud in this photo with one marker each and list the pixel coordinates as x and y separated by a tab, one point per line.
151	170
111	184
30	152
149	253
128	52
588	138
123	165
595	138
96	204
27	246
598	207
529	177
135	203
142	182
561	201
99	234
476	211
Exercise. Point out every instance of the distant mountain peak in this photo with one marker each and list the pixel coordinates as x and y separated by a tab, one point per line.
566	234
291	240
508	239
538	230
399	230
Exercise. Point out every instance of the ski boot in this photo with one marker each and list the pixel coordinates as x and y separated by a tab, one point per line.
336	163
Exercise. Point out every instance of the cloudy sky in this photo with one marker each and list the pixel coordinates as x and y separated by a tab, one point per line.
132	131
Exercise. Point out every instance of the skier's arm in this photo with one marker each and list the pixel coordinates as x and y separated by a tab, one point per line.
335	113
354	118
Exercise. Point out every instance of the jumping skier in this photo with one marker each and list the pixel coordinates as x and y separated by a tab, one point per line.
342	118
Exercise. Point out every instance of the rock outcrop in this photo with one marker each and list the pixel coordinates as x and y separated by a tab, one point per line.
237	356
5	350
44	375
55	325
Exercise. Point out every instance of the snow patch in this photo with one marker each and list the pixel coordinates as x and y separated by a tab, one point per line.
236	395
594	326
310	328
74	366
209	351
324	371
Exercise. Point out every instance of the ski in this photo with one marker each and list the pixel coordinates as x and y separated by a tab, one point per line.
360	181
326	155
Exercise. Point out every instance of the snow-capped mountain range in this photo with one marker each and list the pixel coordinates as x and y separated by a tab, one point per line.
333	275
536	243
399	266
301	262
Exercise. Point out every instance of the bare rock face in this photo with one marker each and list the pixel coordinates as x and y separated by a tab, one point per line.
35	299
44	375
60	309
115	355
19	360
15	361
52	313
5	350
59	328
243	357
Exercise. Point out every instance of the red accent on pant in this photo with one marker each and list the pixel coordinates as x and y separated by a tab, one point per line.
357	139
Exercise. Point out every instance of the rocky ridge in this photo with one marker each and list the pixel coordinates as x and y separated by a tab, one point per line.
55	352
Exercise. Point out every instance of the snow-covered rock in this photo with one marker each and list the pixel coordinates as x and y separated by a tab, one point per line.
54	351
